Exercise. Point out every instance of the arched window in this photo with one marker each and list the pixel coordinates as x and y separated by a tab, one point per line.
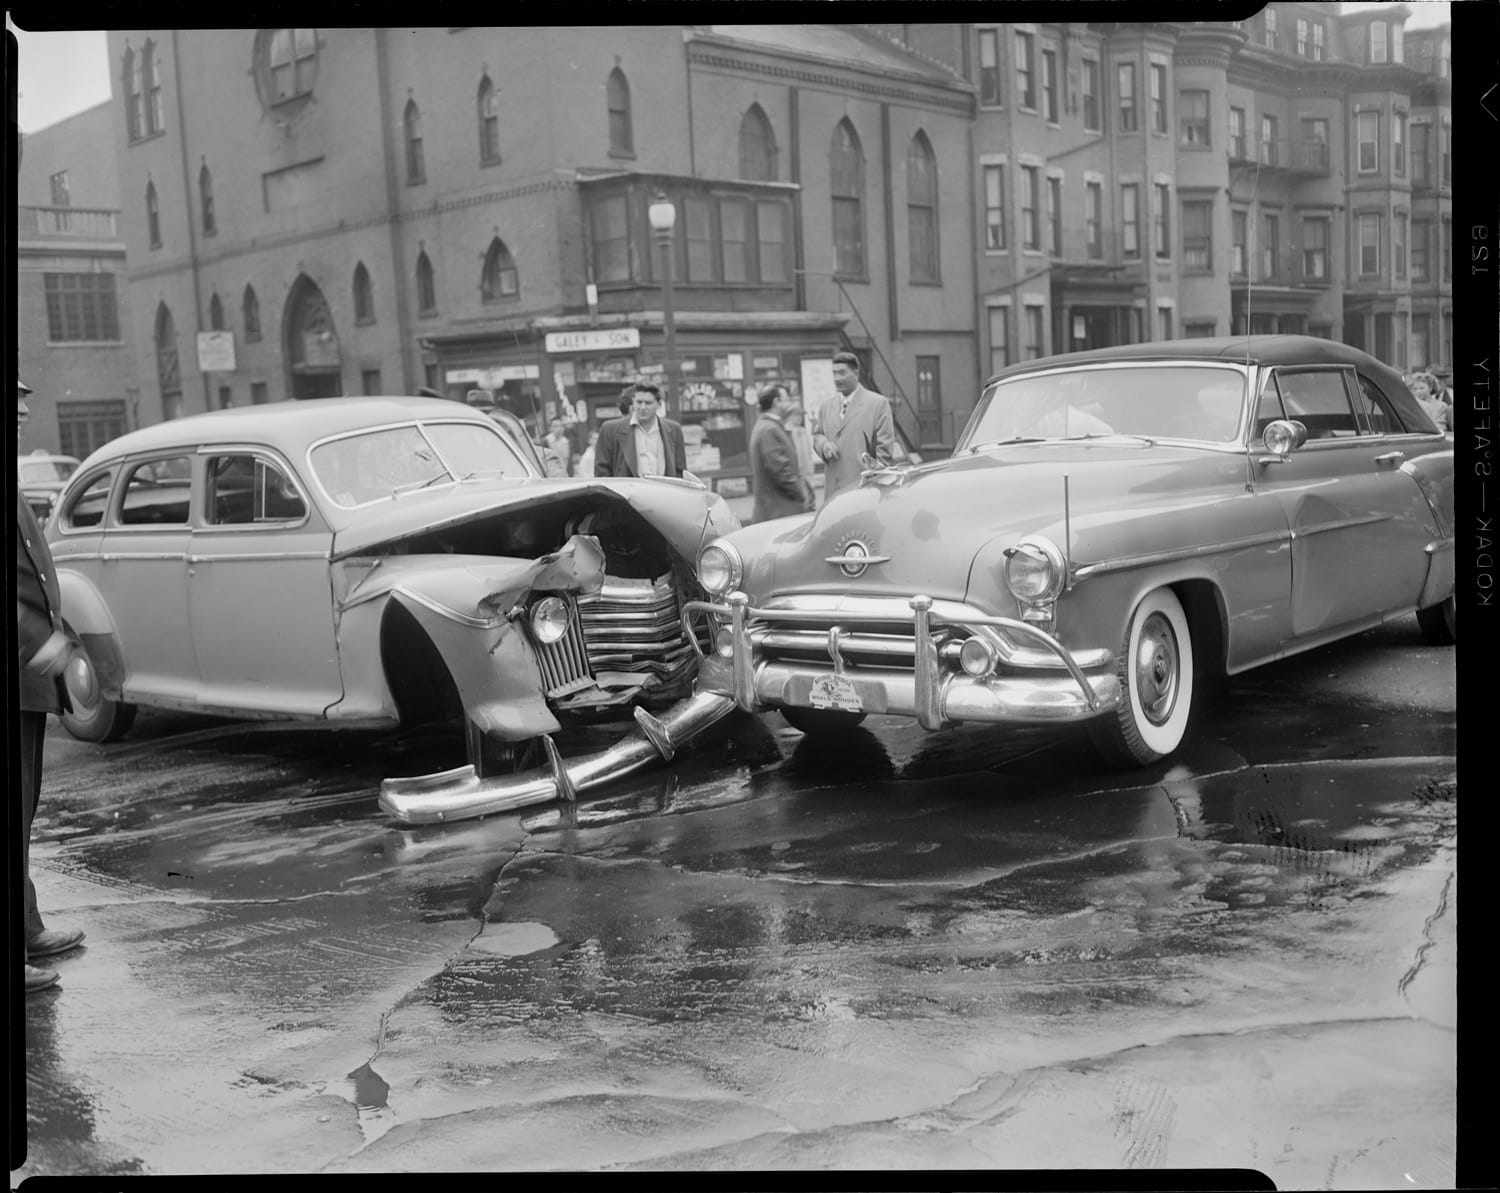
921	208
311	350
426	290
757	146
846	169
416	170
153	217
489	122
250	306
617	92
215	313
168	369
500	279
206	193
130	88
151	88
364	295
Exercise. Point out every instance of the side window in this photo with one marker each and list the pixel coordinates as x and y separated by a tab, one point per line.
1318	399
156	493
245	490
1373	404
87	507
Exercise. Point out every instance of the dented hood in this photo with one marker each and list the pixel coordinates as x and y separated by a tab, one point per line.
678	510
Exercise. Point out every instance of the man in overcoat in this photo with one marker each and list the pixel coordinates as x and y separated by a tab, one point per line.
853	429
44	650
645	444
780	487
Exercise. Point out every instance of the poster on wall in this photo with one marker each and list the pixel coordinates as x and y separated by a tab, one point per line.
817	384
216	351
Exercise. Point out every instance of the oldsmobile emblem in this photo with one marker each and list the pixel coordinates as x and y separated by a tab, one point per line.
854	558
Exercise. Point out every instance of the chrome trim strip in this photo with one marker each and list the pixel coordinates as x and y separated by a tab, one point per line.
257	556
1438	545
856	559
478	623
1341	524
120	556
1155	557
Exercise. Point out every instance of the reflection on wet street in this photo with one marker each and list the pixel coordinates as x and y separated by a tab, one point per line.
890	950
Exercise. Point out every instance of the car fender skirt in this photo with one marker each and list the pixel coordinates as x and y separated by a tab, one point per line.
460	794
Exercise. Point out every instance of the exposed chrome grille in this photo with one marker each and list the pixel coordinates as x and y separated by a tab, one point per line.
564	666
889	646
635	625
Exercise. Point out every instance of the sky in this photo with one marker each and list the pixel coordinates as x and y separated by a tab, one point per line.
62	74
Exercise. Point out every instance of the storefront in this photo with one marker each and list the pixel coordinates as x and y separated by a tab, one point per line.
572	368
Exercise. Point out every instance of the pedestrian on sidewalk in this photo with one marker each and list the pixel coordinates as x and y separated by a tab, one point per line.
853	429
45	651
780	488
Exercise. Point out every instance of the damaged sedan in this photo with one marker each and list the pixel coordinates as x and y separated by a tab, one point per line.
386	561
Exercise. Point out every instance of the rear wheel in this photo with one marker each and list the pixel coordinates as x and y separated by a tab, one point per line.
821	721
1438	622
94	716
1156	686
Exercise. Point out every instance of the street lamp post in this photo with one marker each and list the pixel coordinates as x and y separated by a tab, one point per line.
663	216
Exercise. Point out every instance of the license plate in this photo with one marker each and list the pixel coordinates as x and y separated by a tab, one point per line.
835	691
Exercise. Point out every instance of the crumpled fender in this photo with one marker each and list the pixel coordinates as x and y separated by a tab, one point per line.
473	615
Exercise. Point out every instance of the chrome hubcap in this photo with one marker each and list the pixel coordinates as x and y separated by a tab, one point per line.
1156	669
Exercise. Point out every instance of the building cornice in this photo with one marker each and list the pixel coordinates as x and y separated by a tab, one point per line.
952	97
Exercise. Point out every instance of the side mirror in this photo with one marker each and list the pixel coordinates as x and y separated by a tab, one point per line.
1284	436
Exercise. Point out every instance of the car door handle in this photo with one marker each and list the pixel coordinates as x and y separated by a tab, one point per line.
1391	458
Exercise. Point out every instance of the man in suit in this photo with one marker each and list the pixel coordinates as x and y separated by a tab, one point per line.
780	488
645	444
44	653
853	429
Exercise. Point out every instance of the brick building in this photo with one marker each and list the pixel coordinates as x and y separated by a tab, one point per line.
70	267
357	210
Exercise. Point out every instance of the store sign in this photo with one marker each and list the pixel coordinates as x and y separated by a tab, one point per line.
613	339
491	378
216	351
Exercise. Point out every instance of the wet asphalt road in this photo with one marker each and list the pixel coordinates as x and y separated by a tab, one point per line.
906	950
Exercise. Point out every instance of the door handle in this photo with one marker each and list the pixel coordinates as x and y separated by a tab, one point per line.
1391	458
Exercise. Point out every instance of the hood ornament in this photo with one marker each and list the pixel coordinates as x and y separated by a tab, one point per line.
854	558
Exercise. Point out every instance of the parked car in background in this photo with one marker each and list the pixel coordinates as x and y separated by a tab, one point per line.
41	477
1112	526
383	561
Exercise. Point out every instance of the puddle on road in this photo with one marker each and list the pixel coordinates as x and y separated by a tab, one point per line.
370	1094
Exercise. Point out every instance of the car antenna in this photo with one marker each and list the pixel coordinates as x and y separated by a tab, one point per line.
1067	537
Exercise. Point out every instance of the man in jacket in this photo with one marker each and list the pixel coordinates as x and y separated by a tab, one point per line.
645	444
853	429
780	488
44	652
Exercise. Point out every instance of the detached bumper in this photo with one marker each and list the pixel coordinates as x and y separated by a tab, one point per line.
460	794
934	691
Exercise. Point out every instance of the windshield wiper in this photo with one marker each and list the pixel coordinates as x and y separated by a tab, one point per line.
414	485
1146	439
979	447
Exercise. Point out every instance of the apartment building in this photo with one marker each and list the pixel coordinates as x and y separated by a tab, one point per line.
70	279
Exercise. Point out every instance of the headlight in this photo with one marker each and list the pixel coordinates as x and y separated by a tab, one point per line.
549	619
1035	570
720	569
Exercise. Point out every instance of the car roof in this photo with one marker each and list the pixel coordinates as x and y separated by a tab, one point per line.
289	426
1268	350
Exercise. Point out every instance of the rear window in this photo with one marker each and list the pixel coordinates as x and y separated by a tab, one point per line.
87	506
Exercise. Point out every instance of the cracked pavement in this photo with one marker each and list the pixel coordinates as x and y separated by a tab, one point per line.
961	950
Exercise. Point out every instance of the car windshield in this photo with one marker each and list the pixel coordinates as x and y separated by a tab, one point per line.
41	472
1169	401
386	462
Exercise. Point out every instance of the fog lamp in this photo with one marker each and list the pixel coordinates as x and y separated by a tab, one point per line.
719	568
724	643
549	619
976	657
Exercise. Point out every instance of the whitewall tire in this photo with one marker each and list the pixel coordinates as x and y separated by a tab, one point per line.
1155	670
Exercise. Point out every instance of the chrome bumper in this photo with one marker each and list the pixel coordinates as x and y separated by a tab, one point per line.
934	694
460	793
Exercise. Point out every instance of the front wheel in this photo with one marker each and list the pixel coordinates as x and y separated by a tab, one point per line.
821	721
1156	686
1438	622
94	716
